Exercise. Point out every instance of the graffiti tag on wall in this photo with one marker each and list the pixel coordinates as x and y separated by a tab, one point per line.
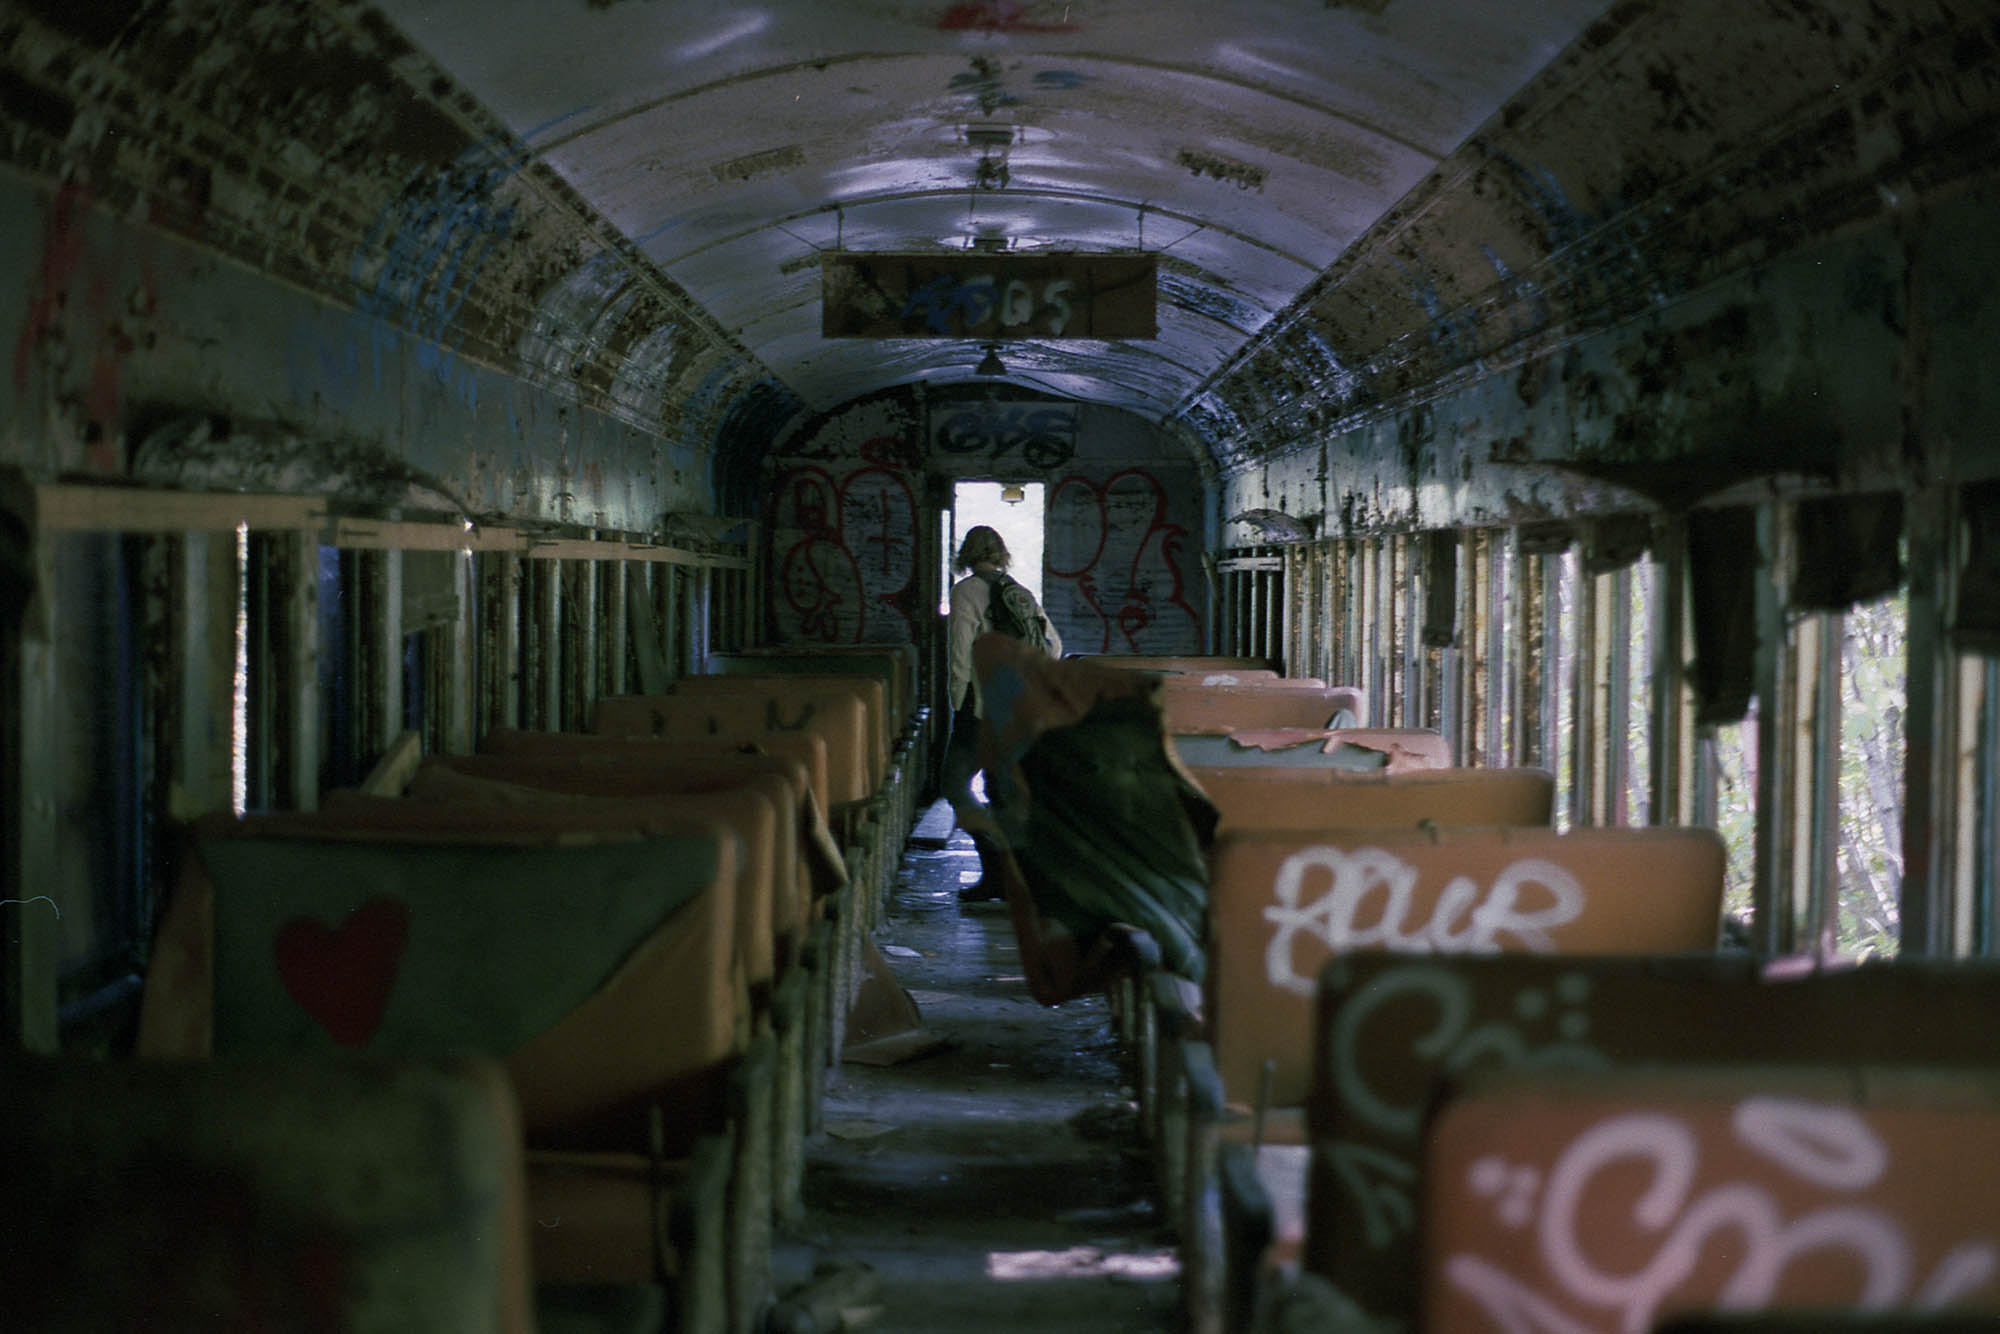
845	556
1039	435
86	315
420	260
1115	557
1005	16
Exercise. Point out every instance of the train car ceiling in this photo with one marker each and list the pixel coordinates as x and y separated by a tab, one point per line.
1421	263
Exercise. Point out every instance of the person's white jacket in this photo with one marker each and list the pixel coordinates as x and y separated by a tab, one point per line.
970	599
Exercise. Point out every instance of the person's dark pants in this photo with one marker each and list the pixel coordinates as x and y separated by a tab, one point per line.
961	762
961	757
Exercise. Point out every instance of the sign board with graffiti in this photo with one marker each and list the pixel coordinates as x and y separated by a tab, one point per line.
987	296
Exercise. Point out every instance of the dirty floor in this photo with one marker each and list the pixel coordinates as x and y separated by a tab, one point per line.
995	1183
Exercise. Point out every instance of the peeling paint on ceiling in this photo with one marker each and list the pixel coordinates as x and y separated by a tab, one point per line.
1356	204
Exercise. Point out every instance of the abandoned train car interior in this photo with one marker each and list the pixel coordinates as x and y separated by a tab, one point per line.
1508	839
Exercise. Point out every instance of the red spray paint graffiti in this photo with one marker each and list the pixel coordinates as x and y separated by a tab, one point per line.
62	254
1000	16
849	575
1115	558
56	316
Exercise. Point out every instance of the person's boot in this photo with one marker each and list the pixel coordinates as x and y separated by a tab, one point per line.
988	887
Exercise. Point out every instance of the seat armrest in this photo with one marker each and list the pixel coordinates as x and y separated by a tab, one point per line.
1177	1006
1138	951
1205	1101
1249	1226
789	999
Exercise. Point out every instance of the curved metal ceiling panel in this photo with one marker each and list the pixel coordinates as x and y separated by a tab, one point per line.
1674	148
1249	143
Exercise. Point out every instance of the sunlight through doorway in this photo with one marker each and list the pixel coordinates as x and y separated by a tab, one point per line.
1014	510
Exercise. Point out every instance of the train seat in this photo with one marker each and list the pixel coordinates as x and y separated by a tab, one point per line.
878	818
323	1192
760	805
747	711
786	699
1099	830
833	930
1391	1029
1194	708
593	950
748	806
836	722
697	765
1608	1200
1344	749
895	665
1299	798
1284	901
1270	679
1181	663
727	722
803	754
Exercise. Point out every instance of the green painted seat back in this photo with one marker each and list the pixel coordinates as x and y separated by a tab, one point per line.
594	950
323	1193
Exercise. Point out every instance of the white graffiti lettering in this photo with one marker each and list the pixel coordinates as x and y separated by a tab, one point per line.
1515	1307
1056	295
1830	1147
1969	1267
1361	877
1378	1179
1017	306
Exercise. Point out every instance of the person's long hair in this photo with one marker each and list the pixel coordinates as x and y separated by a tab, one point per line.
983	546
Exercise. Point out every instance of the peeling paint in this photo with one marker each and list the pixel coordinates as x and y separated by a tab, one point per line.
1652	163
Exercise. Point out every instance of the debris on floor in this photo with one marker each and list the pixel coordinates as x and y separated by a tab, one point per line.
884	1027
840	1296
997	1184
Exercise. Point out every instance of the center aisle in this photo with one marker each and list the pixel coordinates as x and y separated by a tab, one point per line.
997	1183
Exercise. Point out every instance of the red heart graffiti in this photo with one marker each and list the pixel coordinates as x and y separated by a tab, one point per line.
342	976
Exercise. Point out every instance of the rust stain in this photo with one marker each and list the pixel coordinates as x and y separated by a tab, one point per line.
61	254
320	146
1541	230
1016	16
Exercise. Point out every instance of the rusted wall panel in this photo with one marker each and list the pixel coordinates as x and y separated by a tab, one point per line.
119	331
1955	334
1817	371
477	297
1653	162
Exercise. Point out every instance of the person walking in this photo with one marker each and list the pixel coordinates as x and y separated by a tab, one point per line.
986	600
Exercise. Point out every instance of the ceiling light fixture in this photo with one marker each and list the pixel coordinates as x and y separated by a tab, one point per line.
1013	493
990	364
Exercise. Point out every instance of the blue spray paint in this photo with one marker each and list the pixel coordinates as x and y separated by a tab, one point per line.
432	243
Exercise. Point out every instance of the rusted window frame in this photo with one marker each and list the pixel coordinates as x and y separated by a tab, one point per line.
1670	758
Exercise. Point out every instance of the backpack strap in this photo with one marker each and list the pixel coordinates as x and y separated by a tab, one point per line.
994	582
